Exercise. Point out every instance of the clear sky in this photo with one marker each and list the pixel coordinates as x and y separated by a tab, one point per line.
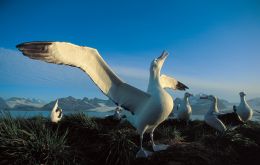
214	46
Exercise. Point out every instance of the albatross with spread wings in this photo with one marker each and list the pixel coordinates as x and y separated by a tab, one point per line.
149	108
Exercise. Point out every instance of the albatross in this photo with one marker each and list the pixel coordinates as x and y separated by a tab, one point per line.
56	113
184	110
244	110
211	117
149	108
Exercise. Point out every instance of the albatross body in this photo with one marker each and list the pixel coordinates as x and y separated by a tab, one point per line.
149	108
244	110
211	117
184	110
56	113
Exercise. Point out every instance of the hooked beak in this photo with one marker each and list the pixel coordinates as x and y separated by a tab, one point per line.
191	95
163	56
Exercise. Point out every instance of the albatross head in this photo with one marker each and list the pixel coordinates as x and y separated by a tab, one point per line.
242	94
157	64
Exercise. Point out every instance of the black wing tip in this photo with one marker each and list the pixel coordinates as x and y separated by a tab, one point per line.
182	86
19	45
33	42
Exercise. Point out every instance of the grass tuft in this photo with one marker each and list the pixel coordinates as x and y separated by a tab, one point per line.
120	149
80	120
30	142
169	133
79	139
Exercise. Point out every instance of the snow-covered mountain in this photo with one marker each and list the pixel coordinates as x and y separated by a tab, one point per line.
72	104
199	106
254	103
14	102
3	105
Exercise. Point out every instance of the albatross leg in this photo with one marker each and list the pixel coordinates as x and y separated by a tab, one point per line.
142	153
158	147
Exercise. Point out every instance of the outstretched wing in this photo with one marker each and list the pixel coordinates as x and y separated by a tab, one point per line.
172	83
89	60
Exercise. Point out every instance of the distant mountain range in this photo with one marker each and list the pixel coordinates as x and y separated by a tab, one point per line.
70	103
73	104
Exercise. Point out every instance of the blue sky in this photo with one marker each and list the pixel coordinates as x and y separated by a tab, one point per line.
214	46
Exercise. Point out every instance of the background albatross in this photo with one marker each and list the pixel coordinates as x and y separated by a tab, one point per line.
56	113
149	108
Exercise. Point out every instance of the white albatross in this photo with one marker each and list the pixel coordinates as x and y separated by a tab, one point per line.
56	113
149	108
244	110
184	110
211	117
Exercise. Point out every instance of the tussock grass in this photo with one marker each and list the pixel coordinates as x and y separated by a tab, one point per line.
169	133
119	148
80	120
79	139
30	142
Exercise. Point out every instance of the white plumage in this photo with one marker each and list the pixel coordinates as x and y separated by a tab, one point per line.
149	108
211	117
56	113
185	110
244	110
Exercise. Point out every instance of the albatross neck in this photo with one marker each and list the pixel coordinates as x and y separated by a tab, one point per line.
186	100
214	106
243	100
154	81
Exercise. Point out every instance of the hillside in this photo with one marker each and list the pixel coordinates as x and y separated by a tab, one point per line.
199	106
17	102
72	104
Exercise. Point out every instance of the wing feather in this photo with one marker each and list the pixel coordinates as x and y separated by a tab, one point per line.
172	83
90	61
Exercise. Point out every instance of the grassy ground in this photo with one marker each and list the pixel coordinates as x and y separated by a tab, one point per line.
78	139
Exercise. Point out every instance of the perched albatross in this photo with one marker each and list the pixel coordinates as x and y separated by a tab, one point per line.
56	113
149	108
211	117
184	110
244	110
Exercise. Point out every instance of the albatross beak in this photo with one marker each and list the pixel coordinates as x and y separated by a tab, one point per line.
162	57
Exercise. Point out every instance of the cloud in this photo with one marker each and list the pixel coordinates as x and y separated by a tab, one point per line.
130	72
